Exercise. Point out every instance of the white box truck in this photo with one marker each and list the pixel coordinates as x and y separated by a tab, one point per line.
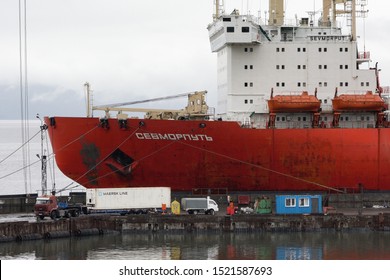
127	200
195	205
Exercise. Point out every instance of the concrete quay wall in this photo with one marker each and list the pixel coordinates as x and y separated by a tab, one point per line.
104	224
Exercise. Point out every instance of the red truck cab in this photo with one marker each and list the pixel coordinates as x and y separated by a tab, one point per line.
46	206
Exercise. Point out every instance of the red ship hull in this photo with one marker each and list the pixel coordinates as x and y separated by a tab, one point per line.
189	155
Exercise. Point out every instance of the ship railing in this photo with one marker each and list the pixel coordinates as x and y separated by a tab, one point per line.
357	124
211	112
252	18
386	90
327	125
364	55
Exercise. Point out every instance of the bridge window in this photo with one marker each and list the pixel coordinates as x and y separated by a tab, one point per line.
230	29
245	29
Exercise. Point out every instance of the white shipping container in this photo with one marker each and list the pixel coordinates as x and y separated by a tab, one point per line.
128	198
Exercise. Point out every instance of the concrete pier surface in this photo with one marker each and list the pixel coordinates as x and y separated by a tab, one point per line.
10	204
22	227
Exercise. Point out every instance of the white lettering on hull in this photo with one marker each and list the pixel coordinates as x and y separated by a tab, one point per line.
173	137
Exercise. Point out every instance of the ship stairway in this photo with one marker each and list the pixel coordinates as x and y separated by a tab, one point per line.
264	33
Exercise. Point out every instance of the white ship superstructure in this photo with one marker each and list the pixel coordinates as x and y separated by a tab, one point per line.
290	57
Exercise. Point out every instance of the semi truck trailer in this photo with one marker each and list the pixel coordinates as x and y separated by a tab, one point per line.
103	200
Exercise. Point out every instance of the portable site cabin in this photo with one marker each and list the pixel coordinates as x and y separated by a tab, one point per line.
298	204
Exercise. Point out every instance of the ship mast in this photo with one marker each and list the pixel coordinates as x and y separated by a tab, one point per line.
87	89
348	10
219	9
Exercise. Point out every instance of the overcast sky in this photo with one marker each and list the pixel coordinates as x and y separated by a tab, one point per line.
130	50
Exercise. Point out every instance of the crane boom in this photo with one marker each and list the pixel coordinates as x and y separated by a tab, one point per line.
196	107
114	105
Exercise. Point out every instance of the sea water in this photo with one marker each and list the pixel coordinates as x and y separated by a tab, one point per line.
207	246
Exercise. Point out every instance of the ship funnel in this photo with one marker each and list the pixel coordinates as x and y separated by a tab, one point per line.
276	12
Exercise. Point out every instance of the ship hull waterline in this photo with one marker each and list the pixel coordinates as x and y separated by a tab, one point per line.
189	155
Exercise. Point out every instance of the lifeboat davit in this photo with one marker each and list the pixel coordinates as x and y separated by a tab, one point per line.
294	103
358	102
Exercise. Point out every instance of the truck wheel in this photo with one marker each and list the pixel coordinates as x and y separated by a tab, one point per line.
75	213
53	215
196	212
211	212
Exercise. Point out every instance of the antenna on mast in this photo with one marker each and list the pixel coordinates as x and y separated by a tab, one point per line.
352	9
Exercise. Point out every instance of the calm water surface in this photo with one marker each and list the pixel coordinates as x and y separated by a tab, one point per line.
192	246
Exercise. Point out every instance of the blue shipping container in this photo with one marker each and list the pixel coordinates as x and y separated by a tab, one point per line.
298	204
